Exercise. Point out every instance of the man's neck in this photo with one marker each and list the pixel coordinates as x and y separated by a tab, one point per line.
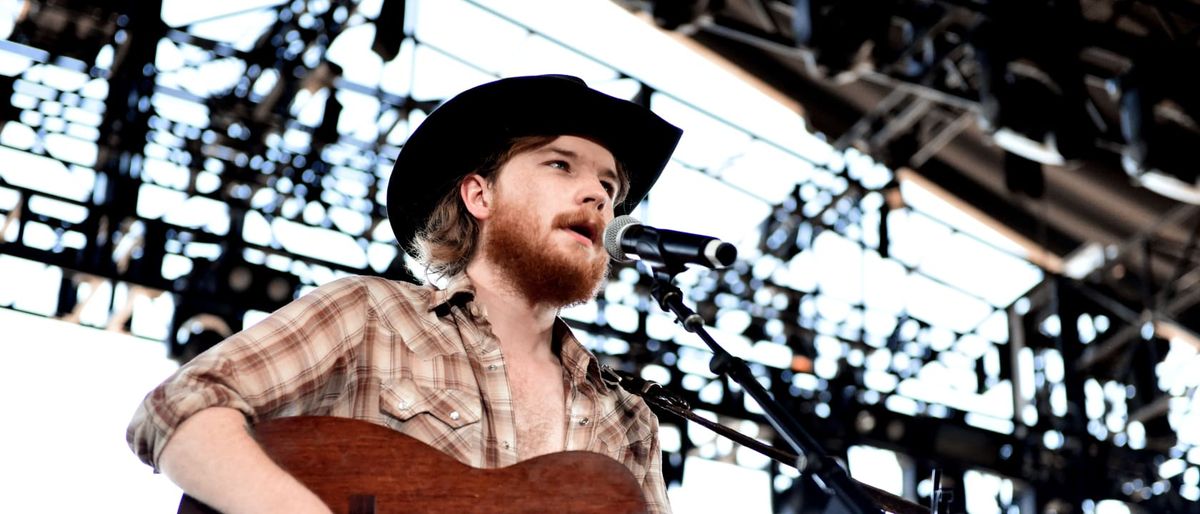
524	328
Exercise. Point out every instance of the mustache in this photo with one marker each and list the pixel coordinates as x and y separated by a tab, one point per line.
584	221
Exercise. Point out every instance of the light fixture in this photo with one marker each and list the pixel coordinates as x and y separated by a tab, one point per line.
1044	151
74	29
1169	186
389	29
1160	135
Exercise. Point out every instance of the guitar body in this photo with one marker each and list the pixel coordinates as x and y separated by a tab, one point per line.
360	468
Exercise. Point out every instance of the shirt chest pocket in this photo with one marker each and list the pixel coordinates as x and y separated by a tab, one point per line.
446	419
406	401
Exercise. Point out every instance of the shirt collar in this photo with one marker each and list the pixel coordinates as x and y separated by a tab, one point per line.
581	365
458	291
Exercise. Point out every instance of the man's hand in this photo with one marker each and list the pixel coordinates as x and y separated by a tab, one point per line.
214	459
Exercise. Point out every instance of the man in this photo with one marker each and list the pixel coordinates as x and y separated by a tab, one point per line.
504	192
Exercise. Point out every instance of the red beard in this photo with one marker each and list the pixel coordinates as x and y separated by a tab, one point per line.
538	268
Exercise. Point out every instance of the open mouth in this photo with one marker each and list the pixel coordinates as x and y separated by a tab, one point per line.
586	230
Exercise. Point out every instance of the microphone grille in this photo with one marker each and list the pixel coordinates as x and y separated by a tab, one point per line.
612	236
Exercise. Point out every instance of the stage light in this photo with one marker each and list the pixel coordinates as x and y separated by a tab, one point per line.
65	28
1159	131
838	32
1032	91
389	29
1022	175
674	14
1015	100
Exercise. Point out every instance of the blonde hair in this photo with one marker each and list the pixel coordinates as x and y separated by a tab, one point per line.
448	240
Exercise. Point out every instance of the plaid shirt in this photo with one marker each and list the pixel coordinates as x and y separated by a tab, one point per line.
419	360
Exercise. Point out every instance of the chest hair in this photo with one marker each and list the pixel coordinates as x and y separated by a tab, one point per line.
540	406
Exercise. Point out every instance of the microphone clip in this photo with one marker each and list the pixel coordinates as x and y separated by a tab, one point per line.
649	390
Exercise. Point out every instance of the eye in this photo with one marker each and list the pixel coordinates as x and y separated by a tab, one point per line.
609	188
563	165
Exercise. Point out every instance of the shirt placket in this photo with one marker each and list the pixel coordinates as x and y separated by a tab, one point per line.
581	419
500	447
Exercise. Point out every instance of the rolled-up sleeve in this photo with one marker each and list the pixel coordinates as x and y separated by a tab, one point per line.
282	365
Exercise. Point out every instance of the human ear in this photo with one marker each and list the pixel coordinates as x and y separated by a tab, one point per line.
476	195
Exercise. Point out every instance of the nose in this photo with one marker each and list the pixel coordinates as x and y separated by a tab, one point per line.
593	193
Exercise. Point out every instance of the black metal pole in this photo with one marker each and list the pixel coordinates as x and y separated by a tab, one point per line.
812	459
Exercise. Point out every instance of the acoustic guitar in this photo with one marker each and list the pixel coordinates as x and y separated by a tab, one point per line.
360	468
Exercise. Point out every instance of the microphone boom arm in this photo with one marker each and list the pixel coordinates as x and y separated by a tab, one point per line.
664	399
811	459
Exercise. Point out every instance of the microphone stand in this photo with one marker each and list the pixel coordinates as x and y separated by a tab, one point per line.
657	396
845	494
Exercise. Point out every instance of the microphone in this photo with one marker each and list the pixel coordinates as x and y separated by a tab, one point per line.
628	239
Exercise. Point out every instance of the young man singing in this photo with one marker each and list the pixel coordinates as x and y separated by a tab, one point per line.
504	192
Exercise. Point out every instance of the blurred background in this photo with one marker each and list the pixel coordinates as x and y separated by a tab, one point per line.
967	229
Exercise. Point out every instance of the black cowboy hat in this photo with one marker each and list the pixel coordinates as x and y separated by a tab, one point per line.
461	133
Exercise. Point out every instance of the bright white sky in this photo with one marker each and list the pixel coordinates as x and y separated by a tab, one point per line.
64	436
